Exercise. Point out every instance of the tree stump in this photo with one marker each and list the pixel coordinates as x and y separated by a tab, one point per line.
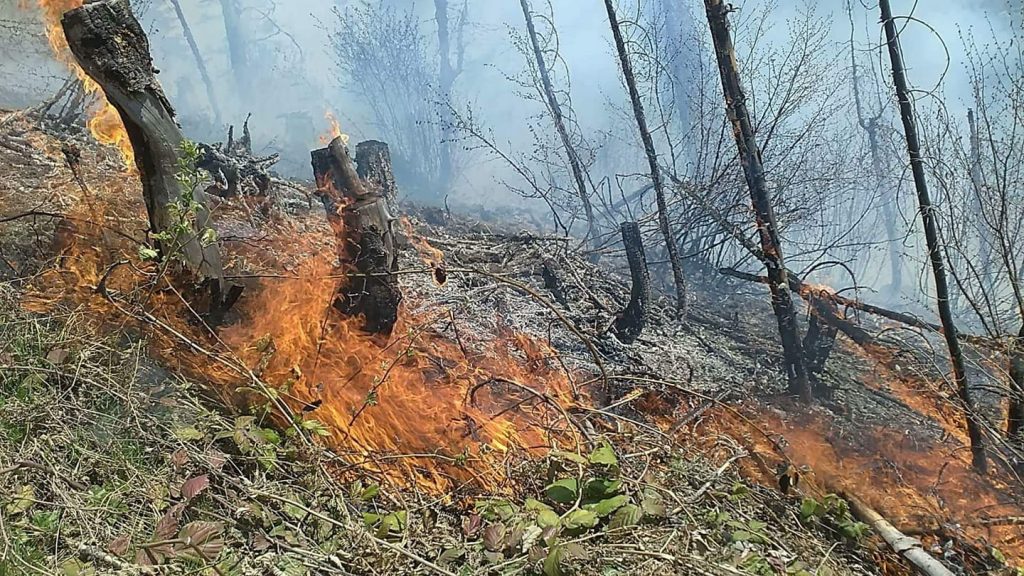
358	212
112	48
629	325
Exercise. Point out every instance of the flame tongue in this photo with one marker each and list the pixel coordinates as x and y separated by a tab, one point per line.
104	123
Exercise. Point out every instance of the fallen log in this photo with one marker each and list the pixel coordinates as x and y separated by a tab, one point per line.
909	548
357	210
233	165
630	323
112	48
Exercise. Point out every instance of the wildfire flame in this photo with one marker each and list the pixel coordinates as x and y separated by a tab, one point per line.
104	122
335	130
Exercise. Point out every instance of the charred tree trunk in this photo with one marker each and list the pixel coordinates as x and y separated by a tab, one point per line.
931	233
652	158
630	324
750	157
1015	409
237	53
113	50
359	215
373	164
200	63
820	338
555	109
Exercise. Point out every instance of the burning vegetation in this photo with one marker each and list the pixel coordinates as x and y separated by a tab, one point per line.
210	367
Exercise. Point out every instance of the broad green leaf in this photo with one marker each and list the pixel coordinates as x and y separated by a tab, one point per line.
570	456
604	455
563	491
600	488
608	505
450	555
187	433
547	518
628	515
147	253
653	504
23	500
369	493
532	505
553	562
580	519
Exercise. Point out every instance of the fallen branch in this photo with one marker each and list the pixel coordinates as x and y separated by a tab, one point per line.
907	547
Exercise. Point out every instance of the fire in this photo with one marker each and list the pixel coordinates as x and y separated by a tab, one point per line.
104	123
335	130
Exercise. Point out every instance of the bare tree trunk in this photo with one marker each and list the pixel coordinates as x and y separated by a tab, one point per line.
237	53
1015	408
113	50
652	159
200	63
750	157
978	184
359	215
556	115
630	324
448	74
931	233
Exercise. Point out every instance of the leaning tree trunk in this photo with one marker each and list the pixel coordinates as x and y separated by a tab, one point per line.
358	213
630	324
750	157
931	233
555	108
113	50
652	158
200	63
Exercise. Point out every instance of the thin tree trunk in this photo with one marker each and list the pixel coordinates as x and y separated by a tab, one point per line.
978	185
200	63
447	81
652	159
750	157
1015	408
932	238
237	53
556	115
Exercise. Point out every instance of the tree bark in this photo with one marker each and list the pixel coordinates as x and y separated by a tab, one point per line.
200	63
113	50
652	158
237	53
750	158
555	109
373	164
359	215
932	238
630	324
1015	408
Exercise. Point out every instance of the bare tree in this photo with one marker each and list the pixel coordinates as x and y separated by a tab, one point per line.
934	242
555	110
200	62
652	158
750	158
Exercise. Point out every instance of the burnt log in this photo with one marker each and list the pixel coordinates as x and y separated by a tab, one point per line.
630	323
112	48
233	166
364	227
373	164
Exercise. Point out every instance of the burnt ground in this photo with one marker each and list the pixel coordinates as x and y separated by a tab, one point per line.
713	382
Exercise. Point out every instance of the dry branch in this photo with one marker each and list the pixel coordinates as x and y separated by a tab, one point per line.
907	547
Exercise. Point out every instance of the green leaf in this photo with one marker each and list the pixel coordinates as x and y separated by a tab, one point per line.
600	488
563	491
75	567
147	253
570	456
547	518
628	515
369	493
450	555
553	562
580	519
608	505
652	504
811	508
604	455
533	505
23	500
495	509
187	433
998	555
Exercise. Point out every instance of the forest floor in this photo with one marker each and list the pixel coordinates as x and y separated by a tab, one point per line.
129	449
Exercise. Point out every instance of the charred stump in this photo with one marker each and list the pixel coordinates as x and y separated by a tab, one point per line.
112	48
820	338
629	325
373	164
358	212
234	168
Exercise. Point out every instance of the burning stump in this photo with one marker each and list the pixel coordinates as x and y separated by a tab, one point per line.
112	48
631	322
357	209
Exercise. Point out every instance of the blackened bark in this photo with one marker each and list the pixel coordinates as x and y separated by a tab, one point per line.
820	338
555	109
113	50
931	233
652	158
1015	408
630	324
363	225
750	157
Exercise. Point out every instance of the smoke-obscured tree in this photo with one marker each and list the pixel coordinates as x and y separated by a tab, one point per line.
385	61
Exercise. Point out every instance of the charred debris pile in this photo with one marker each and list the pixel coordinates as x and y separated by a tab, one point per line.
208	367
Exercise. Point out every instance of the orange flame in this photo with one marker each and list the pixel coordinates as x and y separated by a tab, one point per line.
104	123
335	130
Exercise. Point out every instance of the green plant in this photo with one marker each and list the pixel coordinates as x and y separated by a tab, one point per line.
834	512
